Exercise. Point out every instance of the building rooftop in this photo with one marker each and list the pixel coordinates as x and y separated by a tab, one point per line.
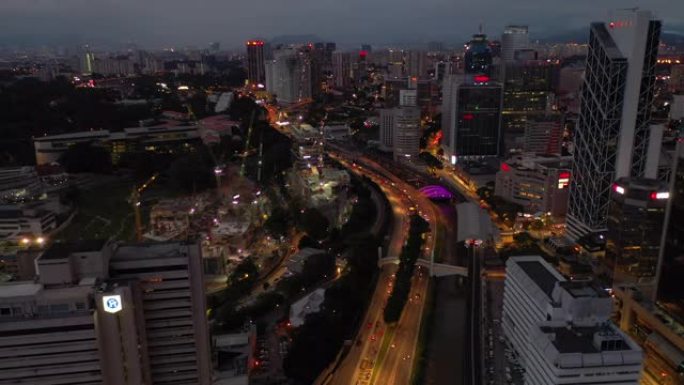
19	289
582	289
544	278
586	340
61	250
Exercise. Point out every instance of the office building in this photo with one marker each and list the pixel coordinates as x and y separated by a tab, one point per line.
107	314
478	55
471	123
342	69
635	224
255	62
416	63
543	136
167	137
386	129
538	183
528	93
561	329
406	131
611	137
514	38
671	270
164	282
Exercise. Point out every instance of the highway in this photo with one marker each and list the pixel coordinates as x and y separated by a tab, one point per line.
368	362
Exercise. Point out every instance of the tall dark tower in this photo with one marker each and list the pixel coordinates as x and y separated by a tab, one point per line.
256	73
478	55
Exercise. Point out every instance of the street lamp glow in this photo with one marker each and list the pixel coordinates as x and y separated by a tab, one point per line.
40	240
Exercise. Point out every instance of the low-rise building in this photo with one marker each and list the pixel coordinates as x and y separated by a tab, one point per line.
19	222
537	183
561	330
19	184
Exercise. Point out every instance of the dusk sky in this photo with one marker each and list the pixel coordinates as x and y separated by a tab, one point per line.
157	23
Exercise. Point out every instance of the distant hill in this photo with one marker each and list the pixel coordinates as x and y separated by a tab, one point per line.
294	39
582	35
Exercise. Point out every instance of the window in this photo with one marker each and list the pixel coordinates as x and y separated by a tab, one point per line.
80	306
5	311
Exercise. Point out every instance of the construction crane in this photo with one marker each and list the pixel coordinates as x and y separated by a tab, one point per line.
217	165
134	200
247	142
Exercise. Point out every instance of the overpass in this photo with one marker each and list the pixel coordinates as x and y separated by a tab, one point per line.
436	269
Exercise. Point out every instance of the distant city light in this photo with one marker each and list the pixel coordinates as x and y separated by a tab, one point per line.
183	88
619	189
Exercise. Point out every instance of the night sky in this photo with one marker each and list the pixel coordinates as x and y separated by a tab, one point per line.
157	23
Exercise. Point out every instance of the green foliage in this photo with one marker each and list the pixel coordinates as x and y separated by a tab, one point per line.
192	173
314	223
86	157
317	343
278	223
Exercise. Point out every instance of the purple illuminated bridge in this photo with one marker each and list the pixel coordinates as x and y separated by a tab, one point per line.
436	192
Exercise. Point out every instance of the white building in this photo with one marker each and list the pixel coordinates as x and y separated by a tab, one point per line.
288	75
514	38
561	330
612	134
400	127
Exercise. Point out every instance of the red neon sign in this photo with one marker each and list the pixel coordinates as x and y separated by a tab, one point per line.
481	78
505	167
468	116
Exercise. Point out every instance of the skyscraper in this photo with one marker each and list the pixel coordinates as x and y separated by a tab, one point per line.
635	222
471	123
611	137
478	56
406	132
289	75
255	62
671	269
342	69
514	38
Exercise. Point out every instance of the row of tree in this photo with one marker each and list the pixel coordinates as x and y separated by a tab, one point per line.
407	263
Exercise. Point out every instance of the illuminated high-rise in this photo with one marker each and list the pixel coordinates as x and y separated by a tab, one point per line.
471	117
611	137
255	62
478	56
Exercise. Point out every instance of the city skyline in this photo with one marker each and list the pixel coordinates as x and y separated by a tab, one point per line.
152	24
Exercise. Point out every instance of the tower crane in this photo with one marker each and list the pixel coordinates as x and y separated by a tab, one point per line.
134	200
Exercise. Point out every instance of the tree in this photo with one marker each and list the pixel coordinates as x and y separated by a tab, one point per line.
86	157
314	223
192	173
278	222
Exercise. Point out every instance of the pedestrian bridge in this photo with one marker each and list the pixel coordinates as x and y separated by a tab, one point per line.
436	269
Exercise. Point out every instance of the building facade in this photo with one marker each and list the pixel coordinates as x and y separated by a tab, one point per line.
611	137
471	109
255	62
635	225
539	184
561	329
107	314
514	38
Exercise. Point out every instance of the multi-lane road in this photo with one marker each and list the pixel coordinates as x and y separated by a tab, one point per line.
383	354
